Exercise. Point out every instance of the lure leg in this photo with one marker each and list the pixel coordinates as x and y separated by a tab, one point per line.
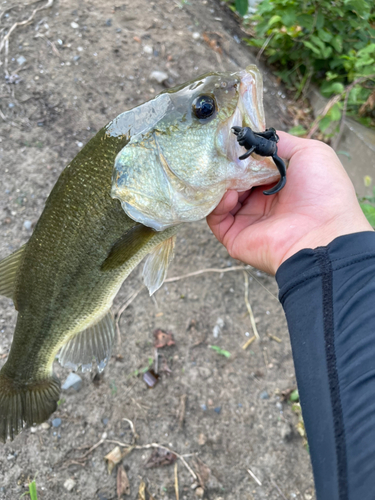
247	154
282	169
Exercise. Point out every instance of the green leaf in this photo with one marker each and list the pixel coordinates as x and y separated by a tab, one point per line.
324	35
320	20
289	17
360	7
242	7
306	21
329	88
369	211
324	123
336	43
294	396
309	45
221	351
335	112
274	19
298	130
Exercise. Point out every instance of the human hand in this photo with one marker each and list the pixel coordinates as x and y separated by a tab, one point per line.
317	205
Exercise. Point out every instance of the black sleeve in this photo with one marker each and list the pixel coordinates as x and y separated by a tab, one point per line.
328	295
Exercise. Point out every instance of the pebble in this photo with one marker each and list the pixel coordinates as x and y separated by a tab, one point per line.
199	492
279	406
56	422
159	76
45	426
74	25
204	407
217	410
10	105
21	60
105	421
196	35
33	430
147	49
202	439
69	484
218	327
108	22
27	224
264	395
73	381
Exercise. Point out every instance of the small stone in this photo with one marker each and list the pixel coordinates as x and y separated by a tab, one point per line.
159	76
217	410
79	144
45	426
199	492
202	439
33	430
27	225
264	395
69	484
74	25
204	407
196	35
104	435
10	105
73	381
56	422
76	58
108	22
21	60
147	49
105	421
10	457
279	406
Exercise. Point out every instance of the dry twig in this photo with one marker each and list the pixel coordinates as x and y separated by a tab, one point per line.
176	482
208	270
254	477
250	311
5	40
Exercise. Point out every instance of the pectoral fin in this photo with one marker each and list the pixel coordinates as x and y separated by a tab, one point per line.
156	264
127	246
8	272
94	343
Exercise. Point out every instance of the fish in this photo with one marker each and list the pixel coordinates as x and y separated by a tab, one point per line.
121	199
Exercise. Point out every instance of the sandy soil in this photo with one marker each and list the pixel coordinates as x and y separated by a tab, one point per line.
74	67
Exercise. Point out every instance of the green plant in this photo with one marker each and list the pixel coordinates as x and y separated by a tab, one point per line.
220	351
329	42
32	491
367	204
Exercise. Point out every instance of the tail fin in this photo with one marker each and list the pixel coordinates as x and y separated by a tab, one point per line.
25	403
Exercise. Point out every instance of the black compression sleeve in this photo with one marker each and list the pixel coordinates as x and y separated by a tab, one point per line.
328	295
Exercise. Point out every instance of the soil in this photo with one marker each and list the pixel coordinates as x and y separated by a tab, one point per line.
69	71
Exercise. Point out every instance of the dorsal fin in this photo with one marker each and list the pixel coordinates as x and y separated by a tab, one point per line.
127	246
156	264
94	343
8	272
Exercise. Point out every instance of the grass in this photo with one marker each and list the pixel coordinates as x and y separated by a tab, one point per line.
32	491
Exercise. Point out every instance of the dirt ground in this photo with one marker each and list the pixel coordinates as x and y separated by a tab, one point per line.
73	68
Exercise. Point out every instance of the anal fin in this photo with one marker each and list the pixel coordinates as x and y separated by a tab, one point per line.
8	272
94	343
156	264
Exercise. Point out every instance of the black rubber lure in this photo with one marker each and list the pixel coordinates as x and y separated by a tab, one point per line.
263	144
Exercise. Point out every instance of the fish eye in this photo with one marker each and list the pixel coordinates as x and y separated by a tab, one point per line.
204	106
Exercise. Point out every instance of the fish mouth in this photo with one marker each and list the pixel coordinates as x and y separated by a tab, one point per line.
248	113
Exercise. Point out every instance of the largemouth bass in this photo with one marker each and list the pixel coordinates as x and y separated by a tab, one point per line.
121	198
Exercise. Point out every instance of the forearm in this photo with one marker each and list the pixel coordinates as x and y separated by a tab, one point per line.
328	295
